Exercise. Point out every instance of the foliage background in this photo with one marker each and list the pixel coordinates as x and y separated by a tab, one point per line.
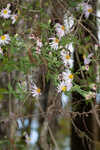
20	65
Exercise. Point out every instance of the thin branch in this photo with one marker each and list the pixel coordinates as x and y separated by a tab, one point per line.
96	114
92	35
49	129
77	57
53	139
95	15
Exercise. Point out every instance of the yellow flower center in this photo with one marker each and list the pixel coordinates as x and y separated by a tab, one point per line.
56	41
71	76
5	11
67	57
64	88
38	90
84	56
90	10
63	28
3	37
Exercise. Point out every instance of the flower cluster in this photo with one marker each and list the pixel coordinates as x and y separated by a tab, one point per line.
65	81
66	77
61	30
38	45
66	54
6	13
90	95
38	41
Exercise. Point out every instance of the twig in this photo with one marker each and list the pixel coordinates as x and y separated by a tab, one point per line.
95	15
92	35
49	129
96	114
53	139
77	57
35	11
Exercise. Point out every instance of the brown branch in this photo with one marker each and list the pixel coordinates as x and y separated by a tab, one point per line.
43	135
46	128
92	35
32	59
96	114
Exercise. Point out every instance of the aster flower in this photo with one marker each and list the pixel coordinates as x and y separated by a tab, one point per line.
38	50
60	29
27	138
67	59
39	43
63	86
70	47
68	23
87	9
4	39
5	12
87	67
67	76
54	43
90	95
14	18
36	92
87	59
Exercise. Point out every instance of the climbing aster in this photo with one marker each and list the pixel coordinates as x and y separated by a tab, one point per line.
68	23
54	43
67	59
87	9
63	86
14	18
4	39
36	92
60	29
6	12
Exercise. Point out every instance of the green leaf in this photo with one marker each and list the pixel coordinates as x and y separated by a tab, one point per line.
79	90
